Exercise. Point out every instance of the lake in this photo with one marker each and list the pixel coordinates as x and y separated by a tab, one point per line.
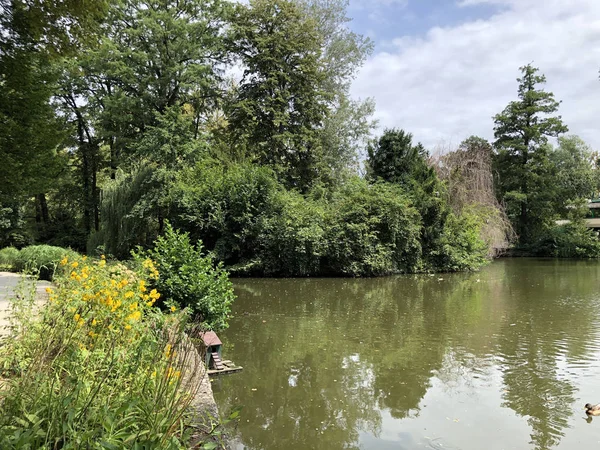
504	358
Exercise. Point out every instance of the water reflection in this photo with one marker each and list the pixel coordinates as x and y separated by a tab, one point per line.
366	363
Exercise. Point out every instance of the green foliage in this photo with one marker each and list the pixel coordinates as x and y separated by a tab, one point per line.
525	173
41	260
372	230
96	366
8	258
224	206
395	159
576	175
280	102
128	211
460	246
191	279
570	240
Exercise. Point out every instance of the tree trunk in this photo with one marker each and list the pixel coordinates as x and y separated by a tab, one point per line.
45	215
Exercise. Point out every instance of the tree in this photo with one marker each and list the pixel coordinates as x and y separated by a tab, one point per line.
522	163
348	125
280	102
395	159
576	178
468	175
143	92
33	37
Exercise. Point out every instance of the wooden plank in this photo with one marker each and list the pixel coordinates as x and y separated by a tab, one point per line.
225	371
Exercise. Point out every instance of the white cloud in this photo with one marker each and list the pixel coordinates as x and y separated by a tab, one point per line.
448	84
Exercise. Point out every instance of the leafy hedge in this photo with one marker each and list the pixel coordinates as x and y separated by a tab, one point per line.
8	258
570	240
257	227
41	259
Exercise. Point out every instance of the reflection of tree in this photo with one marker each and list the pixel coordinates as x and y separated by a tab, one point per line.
541	330
333	353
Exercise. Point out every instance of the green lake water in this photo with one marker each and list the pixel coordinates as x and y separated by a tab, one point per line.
500	359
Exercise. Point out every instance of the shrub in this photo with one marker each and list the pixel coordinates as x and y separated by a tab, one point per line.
98	367
372	230
292	239
224	207
190	279
570	240
41	259
8	258
460	246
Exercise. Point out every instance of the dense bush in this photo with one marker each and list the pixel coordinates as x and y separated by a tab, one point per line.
460	246
257	227
292	238
225	207
8	258
41	259
570	240
97	367
372	230
190	279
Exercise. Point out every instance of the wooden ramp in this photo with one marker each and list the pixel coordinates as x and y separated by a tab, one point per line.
217	360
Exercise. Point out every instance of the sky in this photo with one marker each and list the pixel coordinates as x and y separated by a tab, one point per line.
441	69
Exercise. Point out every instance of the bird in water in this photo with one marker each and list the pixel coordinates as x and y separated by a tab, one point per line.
592	410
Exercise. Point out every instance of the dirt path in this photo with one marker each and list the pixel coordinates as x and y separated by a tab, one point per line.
8	285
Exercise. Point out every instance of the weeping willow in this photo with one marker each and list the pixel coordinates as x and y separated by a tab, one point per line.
128	213
468	174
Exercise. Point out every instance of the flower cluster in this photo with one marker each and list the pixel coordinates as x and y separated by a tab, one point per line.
104	299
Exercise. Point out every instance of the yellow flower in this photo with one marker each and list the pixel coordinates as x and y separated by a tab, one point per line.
134	316
129	294
75	264
102	263
94	322
49	290
83	258
128	327
173	309
142	286
64	261
102	257
133	306
76	317
154	294
167	351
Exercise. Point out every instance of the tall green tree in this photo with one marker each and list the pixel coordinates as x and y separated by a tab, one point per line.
395	159
34	36
280	102
576	172
143	93
524	171
347	127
